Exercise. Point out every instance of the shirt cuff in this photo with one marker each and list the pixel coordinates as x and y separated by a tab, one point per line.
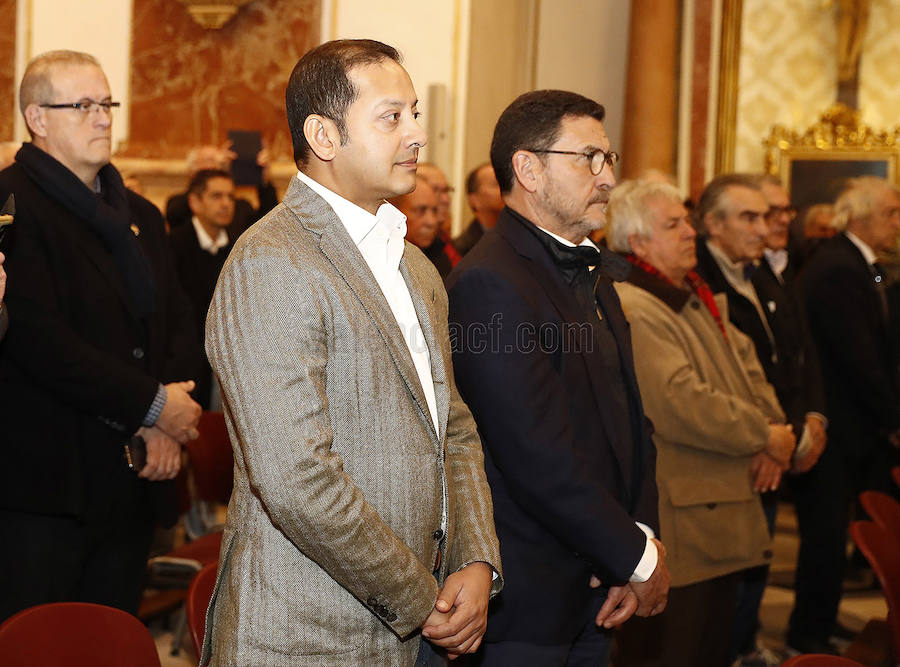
820	417
156	407
647	564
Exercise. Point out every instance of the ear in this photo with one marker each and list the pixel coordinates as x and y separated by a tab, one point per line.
194	203
527	167
322	136
636	242
473	201
712	224
35	120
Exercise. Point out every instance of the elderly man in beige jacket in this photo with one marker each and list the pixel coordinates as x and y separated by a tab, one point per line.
720	433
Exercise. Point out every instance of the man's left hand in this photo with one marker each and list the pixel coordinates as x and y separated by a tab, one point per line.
163	455
467	594
619	606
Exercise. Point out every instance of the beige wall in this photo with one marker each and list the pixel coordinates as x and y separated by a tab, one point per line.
879	88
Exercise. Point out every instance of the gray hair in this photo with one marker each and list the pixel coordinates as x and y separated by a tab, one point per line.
36	86
857	200
714	198
627	211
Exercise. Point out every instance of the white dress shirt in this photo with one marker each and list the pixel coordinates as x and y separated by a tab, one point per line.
379	238
210	245
647	564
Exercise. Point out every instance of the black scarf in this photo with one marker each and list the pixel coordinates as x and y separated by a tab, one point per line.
107	215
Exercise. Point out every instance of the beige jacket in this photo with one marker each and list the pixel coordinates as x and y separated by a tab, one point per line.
333	524
710	405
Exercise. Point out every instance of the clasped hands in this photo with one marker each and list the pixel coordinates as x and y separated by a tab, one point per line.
459	618
647	598
177	424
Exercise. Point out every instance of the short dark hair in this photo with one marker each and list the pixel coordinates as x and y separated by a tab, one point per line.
473	182
320	84
198	183
533	121
713	198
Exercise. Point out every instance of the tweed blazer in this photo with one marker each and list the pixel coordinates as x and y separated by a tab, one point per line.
710	405
334	525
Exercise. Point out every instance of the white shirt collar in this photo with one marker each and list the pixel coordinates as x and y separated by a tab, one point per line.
586	241
210	245
777	259
864	247
358	221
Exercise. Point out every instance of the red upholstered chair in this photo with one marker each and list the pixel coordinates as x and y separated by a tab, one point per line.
211	460
880	549
895	473
813	660
883	510
76	634
198	597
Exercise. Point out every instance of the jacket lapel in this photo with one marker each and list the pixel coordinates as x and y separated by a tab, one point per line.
566	305
423	299
335	243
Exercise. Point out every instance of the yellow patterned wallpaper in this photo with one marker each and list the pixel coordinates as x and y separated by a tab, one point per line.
879	87
788	71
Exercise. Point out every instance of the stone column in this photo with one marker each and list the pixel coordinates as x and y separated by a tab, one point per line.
650	97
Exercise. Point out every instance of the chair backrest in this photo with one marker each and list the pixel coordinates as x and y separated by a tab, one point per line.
880	549
197	602
895	473
883	510
816	660
76	634
212	463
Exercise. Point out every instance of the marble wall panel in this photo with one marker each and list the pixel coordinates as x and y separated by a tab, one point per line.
879	70
190	85
8	83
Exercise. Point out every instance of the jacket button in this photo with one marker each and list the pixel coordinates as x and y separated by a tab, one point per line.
381	610
138	353
372	601
711	506
438	534
390	618
768	553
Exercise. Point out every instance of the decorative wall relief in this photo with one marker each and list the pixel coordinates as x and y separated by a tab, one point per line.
788	71
190	85
8	85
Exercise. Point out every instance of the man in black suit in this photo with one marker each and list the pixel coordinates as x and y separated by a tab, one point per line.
844	293
543	358
744	256
200	250
486	202
100	334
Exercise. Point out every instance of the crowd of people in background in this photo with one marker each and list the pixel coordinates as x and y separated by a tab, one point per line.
732	354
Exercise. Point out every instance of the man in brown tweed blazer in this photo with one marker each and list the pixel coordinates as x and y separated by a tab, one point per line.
361	514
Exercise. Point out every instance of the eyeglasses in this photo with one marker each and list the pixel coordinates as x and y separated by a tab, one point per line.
85	107
596	158
777	211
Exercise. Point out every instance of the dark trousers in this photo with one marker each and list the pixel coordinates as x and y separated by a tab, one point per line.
751	589
589	649
823	499
694	631
62	559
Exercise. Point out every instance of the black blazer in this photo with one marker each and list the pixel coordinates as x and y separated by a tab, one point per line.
567	485
857	354
791	367
467	240
77	370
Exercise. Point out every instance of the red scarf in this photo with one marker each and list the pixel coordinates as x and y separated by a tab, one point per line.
694	281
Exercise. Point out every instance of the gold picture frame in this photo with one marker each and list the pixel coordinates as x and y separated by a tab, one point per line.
814	164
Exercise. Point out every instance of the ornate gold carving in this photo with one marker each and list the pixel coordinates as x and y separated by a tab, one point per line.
839	129
213	14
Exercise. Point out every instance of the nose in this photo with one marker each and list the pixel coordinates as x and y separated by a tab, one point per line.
102	117
416	133
605	179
